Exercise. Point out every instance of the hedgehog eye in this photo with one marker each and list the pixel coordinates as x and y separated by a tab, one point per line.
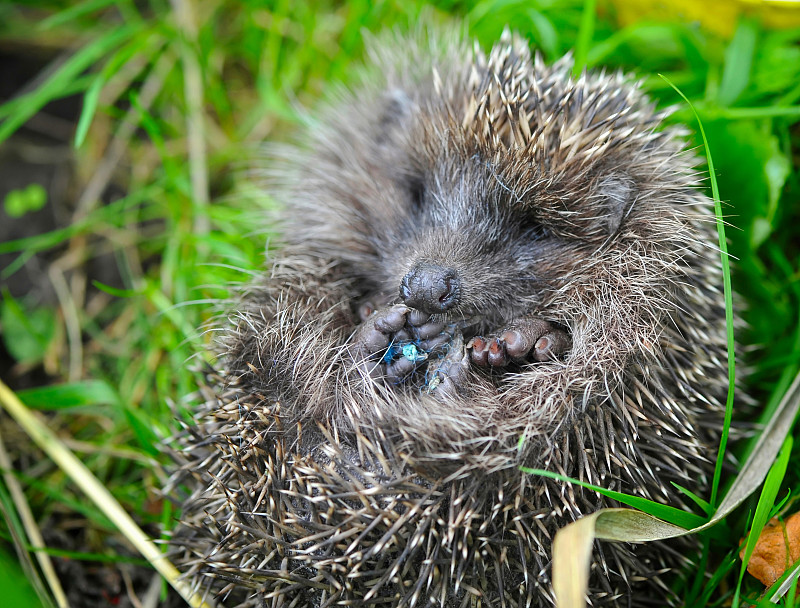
532	228
416	194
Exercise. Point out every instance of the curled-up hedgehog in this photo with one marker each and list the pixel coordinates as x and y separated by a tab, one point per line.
488	264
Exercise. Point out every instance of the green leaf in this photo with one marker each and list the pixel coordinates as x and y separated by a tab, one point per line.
76	394
72	13
19	202
83	555
26	333
726	565
14	586
639	35
755	167
776	70
143	430
26	580
585	35
15	204
147	44
90	100
113	214
114	291
36	197
728	295
776	171
546	36
738	61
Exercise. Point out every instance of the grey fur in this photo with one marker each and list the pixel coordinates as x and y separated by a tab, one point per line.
314	481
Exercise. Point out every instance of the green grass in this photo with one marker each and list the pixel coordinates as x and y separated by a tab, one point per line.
126	344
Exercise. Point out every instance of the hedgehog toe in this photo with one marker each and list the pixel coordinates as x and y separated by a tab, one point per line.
529	339
552	345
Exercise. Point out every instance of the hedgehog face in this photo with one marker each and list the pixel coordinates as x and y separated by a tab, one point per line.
470	226
463	251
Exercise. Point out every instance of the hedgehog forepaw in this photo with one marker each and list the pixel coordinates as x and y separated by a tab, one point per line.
395	341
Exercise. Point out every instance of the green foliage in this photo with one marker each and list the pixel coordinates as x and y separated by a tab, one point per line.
727	295
764	508
738	61
137	341
20	584
670	514
14	586
27	332
76	394
19	202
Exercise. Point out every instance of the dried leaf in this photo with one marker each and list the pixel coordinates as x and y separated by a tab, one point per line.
777	548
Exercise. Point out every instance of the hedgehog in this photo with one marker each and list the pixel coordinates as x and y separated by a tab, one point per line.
487	264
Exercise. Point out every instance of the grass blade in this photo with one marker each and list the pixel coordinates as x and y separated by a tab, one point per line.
32	531
585	35
675	516
72	13
62	396
55	86
90	100
97	492
765	502
726	285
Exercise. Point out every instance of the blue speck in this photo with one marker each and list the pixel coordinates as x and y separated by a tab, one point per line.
411	353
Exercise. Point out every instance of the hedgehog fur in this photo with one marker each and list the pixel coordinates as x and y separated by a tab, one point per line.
541	242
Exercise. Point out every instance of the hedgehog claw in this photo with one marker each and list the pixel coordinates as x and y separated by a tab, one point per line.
532	338
417	318
391	319
551	345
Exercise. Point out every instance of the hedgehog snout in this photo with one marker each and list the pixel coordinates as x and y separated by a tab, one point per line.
431	288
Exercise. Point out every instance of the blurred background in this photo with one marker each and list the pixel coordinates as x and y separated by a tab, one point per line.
129	204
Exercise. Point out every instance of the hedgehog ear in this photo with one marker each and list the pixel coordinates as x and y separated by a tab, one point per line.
616	194
396	110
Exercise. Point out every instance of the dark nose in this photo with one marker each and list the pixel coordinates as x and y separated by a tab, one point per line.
430	288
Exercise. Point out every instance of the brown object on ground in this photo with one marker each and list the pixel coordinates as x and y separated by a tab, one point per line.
777	548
